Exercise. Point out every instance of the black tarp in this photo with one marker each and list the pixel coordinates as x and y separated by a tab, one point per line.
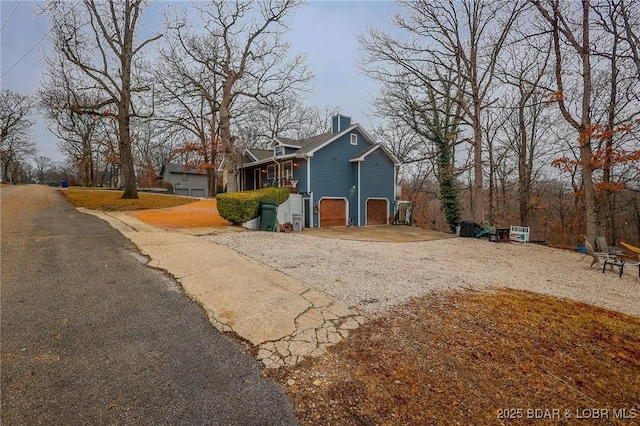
469	228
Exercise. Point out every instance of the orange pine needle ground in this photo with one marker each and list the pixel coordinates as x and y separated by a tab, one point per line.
201	214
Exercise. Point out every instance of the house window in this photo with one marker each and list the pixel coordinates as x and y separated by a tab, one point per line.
287	170
279	150
185	176
354	139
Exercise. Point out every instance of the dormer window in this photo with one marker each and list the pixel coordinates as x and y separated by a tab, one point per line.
279	150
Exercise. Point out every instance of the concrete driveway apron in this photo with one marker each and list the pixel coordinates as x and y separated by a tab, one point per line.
284	319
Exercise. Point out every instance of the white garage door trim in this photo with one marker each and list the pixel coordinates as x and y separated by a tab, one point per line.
346	209
366	209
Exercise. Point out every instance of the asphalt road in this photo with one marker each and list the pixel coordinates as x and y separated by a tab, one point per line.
90	335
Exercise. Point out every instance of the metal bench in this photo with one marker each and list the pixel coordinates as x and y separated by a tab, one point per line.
620	264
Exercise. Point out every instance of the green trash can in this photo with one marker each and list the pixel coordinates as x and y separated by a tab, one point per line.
268	216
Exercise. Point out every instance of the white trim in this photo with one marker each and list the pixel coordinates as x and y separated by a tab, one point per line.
275	171
283	144
256	182
336	136
284	163
359	215
366	153
395	182
311	207
346	205
363	132
309	174
246	151
267	160
353	137
366	205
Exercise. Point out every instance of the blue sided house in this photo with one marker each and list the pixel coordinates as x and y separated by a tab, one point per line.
344	177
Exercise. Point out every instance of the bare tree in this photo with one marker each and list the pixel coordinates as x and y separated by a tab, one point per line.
616	104
74	130
252	61
15	123
43	166
189	96
153	149
99	40
449	56
524	69
466	38
630	14
284	116
575	107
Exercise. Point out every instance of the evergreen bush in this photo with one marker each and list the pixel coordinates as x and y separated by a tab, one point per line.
242	206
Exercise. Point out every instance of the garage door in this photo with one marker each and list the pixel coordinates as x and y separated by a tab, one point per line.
181	191
333	212
376	212
197	192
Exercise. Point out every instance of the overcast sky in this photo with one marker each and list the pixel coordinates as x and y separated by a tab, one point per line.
326	31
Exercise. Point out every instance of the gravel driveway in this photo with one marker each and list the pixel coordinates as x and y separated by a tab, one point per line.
374	276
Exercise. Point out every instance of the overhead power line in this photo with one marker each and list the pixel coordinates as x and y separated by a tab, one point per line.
32	47
25	55
11	14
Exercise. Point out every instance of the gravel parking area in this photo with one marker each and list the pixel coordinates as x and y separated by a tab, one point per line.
374	276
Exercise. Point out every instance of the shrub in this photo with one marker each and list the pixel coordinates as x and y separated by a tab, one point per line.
238	207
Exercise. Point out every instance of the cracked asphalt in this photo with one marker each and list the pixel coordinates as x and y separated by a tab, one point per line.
90	335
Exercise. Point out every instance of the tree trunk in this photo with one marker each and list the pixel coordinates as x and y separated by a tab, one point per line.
212	178
447	183
582	47
85	161
230	163
477	190
589	190
585	130
492	184
126	160
124	119
524	175
212	172
609	200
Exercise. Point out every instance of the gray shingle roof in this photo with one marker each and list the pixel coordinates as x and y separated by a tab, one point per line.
288	141
309	144
261	154
368	150
180	168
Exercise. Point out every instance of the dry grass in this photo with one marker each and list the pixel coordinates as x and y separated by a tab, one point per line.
109	200
464	357
165	211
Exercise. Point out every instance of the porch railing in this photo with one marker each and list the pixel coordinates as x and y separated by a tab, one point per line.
292	184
